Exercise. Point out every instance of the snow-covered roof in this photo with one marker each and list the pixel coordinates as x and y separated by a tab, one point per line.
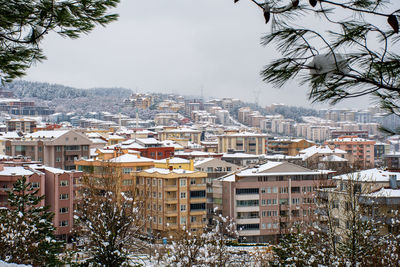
167	171
18	170
98	141
173	161
240	155
148	141
386	192
10	135
47	134
281	157
333	158
171	143
229	178
194	153
370	175
50	169
115	137
202	161
308	152
130	158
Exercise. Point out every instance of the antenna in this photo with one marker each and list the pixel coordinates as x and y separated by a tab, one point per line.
256	93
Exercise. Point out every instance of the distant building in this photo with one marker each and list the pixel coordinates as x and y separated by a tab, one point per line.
246	142
21	125
360	151
289	147
56	149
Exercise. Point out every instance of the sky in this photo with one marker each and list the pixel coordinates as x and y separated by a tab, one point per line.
175	46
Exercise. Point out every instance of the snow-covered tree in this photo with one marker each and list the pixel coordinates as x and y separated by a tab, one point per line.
27	230
205	248
107	220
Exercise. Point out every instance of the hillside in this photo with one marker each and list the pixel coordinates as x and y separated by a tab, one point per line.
64	98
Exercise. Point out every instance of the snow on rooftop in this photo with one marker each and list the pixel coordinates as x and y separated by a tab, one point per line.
148	141
130	158
240	155
202	161
173	161
308	152
47	134
50	169
386	192
229	178
167	171
333	158
98	141
370	175
18	170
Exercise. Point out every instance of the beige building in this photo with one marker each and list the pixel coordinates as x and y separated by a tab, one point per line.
251	143
175	198
181	135
21	125
56	149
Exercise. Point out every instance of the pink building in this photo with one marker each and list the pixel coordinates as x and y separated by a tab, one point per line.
360	151
266	200
56	184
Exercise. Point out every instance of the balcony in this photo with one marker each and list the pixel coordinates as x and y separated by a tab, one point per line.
249	232
171	212
171	200
248	220
170	188
247	208
247	197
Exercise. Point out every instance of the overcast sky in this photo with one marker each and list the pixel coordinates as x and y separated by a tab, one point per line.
173	46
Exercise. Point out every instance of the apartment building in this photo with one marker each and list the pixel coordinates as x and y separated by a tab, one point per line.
174	198
375	191
360	151
246	142
288	147
56	149
181	135
21	125
266	200
56	184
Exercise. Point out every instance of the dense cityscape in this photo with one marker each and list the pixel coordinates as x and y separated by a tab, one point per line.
189	161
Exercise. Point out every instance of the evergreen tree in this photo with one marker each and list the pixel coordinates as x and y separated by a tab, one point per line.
24	23
350	51
27	230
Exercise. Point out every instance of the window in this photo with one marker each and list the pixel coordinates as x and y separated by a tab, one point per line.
40	149
154	182
127	170
295	201
160	220
192	181
193	219
246	203
35	185
183	207
75	138
159	195
64	183
154	194
263	226
246	191
85	148
64	210
209	169
58	148
198	194
263	213
159	208
127	182
183	220
182	182
63	223
274	189
64	196
283	190
183	195
263	202
269	190
160	183
272	213
58	159
262	190
283	201
335	204
198	206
